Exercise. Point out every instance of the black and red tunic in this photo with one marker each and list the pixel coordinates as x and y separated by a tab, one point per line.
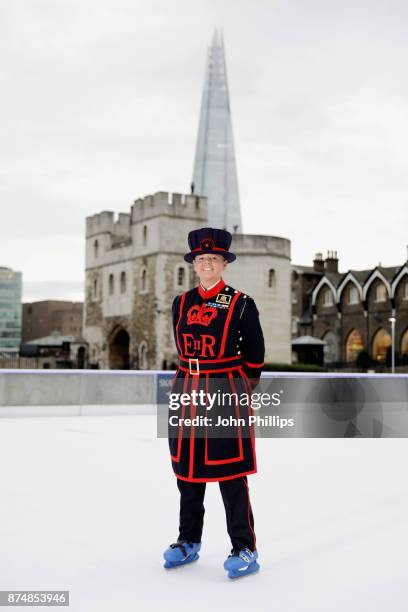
221	347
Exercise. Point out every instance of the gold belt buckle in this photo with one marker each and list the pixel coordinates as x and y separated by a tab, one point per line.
197	365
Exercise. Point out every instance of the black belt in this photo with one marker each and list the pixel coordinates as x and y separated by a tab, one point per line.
207	366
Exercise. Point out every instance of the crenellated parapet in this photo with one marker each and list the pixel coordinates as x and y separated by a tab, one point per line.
104	223
185	206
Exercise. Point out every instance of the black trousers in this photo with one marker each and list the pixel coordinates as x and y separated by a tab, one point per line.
238	511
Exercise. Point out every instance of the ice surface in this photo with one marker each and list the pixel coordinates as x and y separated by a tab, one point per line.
89	504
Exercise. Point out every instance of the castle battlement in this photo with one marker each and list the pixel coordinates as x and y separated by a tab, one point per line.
258	244
161	203
177	205
104	223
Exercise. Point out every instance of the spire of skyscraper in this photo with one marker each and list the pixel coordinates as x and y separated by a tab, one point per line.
215	172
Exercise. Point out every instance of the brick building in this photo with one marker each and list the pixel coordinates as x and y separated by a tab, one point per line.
44	317
351	310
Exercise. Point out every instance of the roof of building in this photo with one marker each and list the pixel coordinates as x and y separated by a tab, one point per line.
389	272
360	275
55	339
310	340
334	277
306	269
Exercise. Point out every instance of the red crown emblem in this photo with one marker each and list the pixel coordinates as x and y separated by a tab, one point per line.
207	243
201	315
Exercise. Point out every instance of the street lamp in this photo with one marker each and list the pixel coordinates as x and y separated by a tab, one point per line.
392	321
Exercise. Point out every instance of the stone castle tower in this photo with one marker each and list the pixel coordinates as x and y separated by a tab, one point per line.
135	267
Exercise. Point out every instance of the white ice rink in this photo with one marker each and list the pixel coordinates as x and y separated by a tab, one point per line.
89	503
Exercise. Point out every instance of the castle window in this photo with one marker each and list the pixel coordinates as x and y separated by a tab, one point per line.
181	274
271	278
123	282
96	248
111	284
143	355
328	298
143	280
380	293
144	235
95	289
353	295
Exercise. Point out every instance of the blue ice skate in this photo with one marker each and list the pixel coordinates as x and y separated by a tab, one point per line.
241	563
181	553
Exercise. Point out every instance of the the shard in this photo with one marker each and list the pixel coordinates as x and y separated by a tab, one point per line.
215	172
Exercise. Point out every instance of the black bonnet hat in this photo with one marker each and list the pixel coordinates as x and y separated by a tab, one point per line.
209	240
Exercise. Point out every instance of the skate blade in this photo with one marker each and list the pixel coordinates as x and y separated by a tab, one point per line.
171	565
251	569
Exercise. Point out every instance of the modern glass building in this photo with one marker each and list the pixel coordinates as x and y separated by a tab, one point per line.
215	171
10	310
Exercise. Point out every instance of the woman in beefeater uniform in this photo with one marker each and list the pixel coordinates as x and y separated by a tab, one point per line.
221	350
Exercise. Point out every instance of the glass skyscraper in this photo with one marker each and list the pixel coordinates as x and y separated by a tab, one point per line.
10	310
215	172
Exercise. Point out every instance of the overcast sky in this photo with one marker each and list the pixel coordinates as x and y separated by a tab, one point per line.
100	105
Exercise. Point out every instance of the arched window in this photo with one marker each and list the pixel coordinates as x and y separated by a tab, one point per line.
143	280
123	282
328	298
143	364
353	295
144	235
404	345
271	278
405	295
380	293
111	284
354	344
95	289
96	248
381	344
181	276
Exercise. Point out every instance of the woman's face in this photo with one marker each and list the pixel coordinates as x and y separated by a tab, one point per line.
209	268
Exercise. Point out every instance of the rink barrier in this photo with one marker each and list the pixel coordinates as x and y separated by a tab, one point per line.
323	404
